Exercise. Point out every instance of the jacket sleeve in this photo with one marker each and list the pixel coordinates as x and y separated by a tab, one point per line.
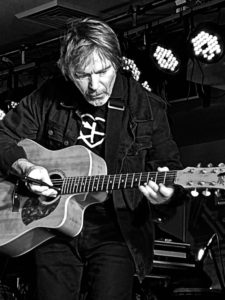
165	152
19	123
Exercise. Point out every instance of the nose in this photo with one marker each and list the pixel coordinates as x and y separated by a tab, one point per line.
94	82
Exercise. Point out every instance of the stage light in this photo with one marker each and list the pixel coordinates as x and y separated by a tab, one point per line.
207	43
165	58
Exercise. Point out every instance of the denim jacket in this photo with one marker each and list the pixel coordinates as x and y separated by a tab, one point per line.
50	116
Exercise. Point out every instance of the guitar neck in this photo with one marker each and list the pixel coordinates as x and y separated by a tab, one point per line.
83	184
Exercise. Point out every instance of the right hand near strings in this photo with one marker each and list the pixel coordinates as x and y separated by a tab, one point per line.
24	167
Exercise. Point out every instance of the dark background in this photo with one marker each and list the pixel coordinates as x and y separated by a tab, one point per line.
30	32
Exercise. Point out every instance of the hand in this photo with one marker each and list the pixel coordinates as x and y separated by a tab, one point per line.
157	194
40	173
24	167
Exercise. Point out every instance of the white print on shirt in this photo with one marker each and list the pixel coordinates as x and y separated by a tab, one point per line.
88	133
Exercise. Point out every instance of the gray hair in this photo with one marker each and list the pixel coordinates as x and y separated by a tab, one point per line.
82	39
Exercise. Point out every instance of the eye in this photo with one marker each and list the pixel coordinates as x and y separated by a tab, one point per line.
104	71
81	76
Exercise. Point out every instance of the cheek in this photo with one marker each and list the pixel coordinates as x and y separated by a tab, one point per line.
109	81
81	85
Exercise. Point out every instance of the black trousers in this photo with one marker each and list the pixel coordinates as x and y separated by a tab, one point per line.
84	268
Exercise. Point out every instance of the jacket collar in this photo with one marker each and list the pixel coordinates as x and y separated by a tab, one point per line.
118	89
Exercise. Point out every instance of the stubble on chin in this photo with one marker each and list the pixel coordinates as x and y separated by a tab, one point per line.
98	102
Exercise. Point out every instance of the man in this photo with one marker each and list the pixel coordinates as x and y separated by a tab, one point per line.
84	107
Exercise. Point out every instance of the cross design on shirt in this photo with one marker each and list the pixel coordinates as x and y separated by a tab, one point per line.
88	133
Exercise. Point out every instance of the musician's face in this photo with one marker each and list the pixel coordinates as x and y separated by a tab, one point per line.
96	79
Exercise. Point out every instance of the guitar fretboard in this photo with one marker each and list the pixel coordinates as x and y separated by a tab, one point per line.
83	184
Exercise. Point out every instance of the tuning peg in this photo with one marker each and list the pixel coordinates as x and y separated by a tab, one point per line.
199	165
217	193
206	193
194	193
210	165
221	165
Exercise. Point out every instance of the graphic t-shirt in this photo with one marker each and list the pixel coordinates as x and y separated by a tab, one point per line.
93	127
100	218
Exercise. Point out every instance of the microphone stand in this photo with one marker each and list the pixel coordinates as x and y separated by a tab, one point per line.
208	249
217	270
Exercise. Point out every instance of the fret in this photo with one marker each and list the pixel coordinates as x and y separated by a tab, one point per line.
139	181
63	186
125	183
81	184
78	184
123	177
156	177
84	184
103	180
66	186
75	184
70	186
147	179
114	177
97	187
132	180
120	178
93	183
107	185
164	177
89	182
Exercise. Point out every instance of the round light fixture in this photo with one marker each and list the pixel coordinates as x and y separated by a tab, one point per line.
207	43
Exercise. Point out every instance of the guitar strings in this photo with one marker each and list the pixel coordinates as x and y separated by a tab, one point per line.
170	174
117	181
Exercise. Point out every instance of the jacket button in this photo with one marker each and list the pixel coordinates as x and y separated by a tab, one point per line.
50	132
66	143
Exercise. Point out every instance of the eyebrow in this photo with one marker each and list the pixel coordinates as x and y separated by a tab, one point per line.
100	71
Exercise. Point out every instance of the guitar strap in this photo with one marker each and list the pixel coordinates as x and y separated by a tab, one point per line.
116	109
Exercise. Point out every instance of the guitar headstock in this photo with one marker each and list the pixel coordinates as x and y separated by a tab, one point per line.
202	178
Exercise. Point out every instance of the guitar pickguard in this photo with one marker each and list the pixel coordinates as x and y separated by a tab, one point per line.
33	209
32	206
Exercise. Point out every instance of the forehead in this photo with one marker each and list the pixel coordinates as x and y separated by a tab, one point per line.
94	62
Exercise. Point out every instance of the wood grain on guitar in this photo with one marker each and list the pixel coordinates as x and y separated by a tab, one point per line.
27	220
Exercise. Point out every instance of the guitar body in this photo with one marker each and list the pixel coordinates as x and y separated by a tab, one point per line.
27	220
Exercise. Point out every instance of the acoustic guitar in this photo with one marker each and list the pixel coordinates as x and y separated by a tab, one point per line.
80	177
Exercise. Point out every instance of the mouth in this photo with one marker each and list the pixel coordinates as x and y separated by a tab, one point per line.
95	97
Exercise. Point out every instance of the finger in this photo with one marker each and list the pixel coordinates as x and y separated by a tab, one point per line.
148	192
39	189
46	177
50	193
43	190
154	186
166	192
40	174
162	169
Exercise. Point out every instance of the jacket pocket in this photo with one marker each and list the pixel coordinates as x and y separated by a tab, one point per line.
54	136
